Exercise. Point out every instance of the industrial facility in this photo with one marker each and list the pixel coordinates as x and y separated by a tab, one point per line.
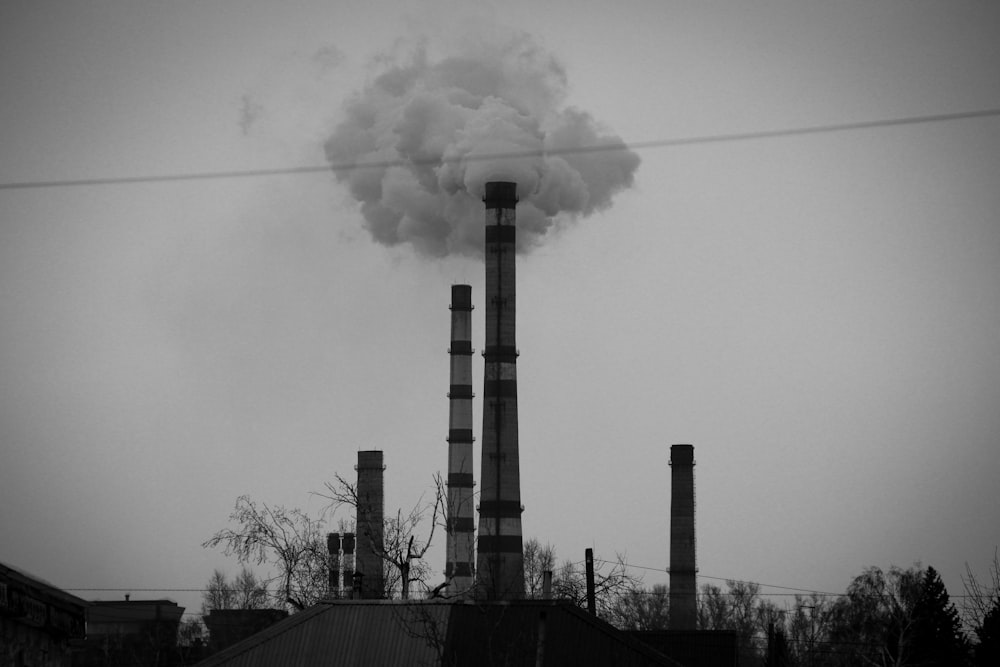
482	615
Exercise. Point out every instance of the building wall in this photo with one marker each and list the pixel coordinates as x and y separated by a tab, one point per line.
39	623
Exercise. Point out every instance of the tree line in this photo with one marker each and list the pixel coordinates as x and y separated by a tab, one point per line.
886	618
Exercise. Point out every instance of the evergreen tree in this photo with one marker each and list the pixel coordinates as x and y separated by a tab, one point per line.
938	638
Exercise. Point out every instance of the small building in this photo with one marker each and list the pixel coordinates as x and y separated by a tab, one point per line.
228	626
408	632
39	623
139	632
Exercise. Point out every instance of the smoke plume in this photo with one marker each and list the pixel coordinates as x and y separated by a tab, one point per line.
418	143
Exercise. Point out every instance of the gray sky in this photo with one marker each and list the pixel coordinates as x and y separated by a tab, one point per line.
819	315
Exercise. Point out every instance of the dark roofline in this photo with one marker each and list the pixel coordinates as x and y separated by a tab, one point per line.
163	601
620	635
265	635
31	581
293	621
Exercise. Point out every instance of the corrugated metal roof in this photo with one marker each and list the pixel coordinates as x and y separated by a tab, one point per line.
439	633
343	633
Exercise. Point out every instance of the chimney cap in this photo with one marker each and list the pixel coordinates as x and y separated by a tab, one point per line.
500	194
461	297
682	454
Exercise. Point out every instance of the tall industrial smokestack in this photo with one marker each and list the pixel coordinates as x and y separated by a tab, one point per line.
500	561
683	588
370	516
461	523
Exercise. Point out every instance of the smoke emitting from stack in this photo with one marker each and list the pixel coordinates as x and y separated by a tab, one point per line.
500	559
416	145
418	149
683	569
370	521
461	547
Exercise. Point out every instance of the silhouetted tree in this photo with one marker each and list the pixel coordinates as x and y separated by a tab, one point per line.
981	612
611	581
403	546
987	651
808	628
284	539
874	623
938	640
246	591
537	560
741	610
291	542
639	608
777	654
569	581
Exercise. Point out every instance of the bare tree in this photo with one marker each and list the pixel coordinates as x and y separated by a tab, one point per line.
740	609
537	560
808	626
874	623
611	581
403	548
282	538
218	593
246	591
639	608
250	592
981	596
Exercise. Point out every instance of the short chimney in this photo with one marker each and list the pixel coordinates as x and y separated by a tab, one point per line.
333	549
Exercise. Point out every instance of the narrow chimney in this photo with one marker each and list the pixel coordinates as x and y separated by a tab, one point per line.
588	558
333	549
370	517
500	560
461	547
683	588
348	565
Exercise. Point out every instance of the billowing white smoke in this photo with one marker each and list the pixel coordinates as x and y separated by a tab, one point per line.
425	136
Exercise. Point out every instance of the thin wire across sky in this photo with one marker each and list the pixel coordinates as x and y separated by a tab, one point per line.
384	164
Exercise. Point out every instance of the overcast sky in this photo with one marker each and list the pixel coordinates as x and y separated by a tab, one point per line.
818	314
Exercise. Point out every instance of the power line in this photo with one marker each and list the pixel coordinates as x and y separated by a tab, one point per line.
597	148
140	590
727	579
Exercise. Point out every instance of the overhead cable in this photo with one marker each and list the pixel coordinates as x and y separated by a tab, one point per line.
596	148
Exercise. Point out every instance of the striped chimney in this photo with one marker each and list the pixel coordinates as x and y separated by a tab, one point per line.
683	609
500	560
461	548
